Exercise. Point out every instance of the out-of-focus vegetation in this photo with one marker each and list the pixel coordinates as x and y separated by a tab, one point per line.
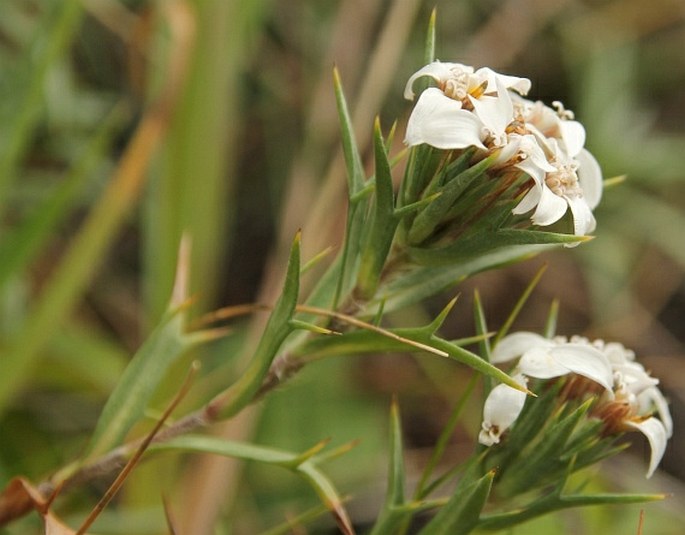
127	123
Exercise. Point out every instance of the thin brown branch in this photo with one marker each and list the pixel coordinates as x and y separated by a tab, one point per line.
135	458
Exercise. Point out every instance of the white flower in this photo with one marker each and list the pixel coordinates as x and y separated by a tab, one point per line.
553	124
636	392
465	109
502	407
545	358
655	432
541	358
631	399
441	122
575	183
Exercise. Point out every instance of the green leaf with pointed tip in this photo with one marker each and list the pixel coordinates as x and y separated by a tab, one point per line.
353	161
487	241
366	341
426	281
422	164
544	459
277	329
462	355
396	468
449	172
382	225
299	464
461	514
554	502
358	201
530	422
551	322
429	53
482	329
433	215
392	516
127	403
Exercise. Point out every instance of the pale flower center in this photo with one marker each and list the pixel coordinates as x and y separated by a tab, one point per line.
461	85
564	181
456	87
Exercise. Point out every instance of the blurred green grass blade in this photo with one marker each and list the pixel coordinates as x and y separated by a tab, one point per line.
460	515
80	262
194	183
552	317
301	519
130	398
511	318
481	325
23	244
396	469
48	49
87	355
443	442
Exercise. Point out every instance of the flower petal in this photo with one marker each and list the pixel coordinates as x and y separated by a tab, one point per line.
516	344
590	178
495	112
653	397
655	432
439	121
583	220
585	360
529	201
551	208
502	406
538	362
515	83
573	135
437	70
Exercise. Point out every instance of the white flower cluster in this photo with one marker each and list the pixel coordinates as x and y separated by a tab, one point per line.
484	109
630	396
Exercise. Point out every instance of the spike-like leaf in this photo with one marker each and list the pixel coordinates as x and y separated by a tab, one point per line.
461	514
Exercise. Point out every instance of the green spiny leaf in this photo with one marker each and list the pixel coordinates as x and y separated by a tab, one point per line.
461	514
383	222
128	401
353	161
277	329
487	241
426	281
392	516
433	215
